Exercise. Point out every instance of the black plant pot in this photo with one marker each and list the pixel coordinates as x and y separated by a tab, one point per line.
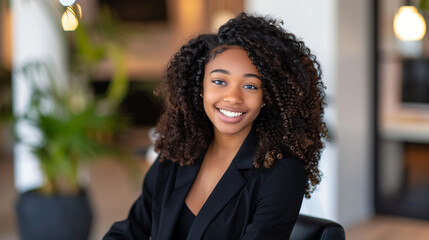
43	217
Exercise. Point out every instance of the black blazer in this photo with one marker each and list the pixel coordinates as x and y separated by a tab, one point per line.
247	203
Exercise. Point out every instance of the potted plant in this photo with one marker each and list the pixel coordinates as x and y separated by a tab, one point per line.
73	126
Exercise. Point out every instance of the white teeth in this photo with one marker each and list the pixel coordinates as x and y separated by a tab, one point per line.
230	114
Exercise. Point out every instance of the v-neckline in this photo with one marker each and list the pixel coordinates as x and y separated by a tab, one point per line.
187	209
212	190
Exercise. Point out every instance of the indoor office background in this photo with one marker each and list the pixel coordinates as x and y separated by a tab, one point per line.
376	165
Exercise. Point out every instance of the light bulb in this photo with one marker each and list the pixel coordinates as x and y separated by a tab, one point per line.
408	24
69	20
67	3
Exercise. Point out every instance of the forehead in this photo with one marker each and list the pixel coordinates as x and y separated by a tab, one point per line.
232	58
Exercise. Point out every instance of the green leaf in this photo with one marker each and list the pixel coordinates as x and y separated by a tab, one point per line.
119	85
88	52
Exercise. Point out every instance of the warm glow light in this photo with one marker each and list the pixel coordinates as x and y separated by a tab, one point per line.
67	3
79	10
69	20
408	24
219	18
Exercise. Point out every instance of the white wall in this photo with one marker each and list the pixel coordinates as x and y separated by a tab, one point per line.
338	33
354	111
36	38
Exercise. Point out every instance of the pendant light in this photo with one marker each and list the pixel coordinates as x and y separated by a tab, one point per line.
409	24
71	17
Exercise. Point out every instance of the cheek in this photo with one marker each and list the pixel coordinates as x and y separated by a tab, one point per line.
257	101
211	94
206	89
255	104
208	100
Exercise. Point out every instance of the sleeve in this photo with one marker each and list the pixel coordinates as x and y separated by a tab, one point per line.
278	202
139	221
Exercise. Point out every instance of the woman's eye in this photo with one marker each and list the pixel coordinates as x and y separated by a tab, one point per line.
218	82
251	87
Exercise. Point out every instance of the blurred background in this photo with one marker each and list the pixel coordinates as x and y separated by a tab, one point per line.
61	60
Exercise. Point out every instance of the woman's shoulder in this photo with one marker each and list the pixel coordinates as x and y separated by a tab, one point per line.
285	171
159	167
289	164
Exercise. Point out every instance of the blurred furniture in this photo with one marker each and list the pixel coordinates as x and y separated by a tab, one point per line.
312	228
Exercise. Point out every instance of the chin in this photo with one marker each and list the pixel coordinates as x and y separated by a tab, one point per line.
232	130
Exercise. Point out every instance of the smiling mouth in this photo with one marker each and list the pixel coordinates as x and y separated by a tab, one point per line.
230	114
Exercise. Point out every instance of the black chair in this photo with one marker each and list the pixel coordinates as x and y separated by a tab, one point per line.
312	228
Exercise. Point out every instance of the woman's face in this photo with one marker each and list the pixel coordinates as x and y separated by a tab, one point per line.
232	95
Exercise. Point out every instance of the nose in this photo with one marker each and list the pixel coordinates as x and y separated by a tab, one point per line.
233	95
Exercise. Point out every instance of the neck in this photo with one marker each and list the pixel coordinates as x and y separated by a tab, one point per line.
226	143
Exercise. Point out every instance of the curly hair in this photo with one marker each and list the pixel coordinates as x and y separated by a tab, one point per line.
291	123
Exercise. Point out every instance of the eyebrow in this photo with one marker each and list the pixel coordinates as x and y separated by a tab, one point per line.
228	73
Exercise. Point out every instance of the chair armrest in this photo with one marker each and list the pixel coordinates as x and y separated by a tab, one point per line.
312	228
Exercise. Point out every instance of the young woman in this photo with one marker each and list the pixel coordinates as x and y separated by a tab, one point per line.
239	141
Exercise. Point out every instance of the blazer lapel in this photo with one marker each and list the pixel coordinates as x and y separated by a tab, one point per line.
173	203
228	186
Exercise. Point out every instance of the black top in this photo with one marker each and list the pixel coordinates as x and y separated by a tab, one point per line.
184	223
